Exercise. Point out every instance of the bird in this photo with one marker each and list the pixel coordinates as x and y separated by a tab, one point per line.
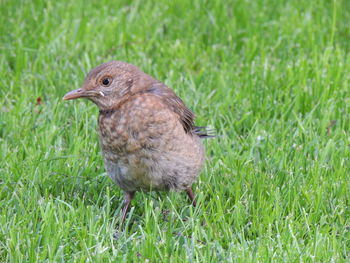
148	137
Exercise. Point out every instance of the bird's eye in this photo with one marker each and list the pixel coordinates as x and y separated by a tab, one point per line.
106	81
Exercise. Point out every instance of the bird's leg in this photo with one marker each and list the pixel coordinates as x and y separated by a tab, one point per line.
191	196
128	196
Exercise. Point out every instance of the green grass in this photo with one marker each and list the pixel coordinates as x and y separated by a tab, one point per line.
271	76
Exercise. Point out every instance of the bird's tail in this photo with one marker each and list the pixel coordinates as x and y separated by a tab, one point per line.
204	132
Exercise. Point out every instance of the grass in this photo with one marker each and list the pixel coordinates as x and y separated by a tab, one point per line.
271	76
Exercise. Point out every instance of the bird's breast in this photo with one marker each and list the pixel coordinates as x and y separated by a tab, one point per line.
115	136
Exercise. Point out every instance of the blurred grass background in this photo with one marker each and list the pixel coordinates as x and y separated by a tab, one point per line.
271	76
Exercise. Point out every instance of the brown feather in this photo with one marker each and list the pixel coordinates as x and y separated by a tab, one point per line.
171	100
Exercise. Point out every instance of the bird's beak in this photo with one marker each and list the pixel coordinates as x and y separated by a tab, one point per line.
75	94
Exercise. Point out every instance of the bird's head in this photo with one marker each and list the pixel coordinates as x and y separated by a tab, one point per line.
110	83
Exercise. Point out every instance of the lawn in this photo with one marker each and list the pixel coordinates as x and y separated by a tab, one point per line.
272	77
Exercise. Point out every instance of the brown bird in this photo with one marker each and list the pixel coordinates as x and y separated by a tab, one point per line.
147	134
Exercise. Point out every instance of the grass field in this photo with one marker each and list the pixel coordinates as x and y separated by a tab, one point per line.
272	77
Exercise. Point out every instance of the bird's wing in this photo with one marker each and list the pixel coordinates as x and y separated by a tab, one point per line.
175	104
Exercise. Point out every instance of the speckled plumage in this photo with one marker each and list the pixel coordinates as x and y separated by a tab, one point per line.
153	152
147	134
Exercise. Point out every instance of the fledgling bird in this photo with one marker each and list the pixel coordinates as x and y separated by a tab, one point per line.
147	134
